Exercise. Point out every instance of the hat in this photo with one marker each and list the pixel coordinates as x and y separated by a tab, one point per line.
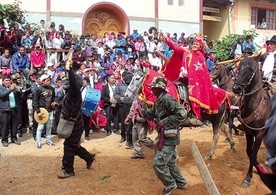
44	76
37	46
32	73
272	40
86	69
248	51
44	118
13	77
159	82
49	64
82	37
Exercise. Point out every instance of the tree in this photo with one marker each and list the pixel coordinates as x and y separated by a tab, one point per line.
223	48
12	13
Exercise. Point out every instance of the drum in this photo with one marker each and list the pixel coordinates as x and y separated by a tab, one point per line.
91	101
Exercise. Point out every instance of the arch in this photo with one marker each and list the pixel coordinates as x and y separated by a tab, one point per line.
105	17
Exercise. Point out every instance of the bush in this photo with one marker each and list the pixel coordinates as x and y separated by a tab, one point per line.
12	13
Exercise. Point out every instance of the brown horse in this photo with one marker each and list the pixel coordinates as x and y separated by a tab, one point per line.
254	109
217	120
222	74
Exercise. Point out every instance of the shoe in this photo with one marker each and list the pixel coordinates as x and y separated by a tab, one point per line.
196	122
50	143
182	186
123	139
136	156
168	190
16	142
129	146
117	132
38	145
87	138
89	163
102	130
108	133
5	144
20	134
64	174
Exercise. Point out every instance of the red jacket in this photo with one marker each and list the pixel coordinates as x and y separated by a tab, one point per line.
37	60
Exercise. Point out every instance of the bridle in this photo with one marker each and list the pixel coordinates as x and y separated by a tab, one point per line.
249	81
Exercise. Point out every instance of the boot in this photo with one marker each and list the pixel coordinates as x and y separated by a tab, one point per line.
123	139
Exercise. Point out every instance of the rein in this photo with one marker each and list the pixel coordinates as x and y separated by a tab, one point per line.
256	113
248	120
221	84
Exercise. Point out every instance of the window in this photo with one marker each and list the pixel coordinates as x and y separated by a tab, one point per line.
180	2
263	18
170	2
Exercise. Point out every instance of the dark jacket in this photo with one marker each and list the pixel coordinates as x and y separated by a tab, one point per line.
43	97
72	101
4	98
170	113
105	95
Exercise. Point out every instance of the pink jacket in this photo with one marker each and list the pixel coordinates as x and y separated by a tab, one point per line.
37	60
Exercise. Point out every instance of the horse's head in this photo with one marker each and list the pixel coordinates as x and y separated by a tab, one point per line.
218	72
135	84
248	69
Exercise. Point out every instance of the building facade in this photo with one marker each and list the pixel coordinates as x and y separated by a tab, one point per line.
95	16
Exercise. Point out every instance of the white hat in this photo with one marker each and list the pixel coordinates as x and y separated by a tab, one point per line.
50	64
44	76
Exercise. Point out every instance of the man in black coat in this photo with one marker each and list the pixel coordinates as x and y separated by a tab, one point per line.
8	111
71	110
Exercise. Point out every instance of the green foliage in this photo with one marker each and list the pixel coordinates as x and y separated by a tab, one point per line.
223	48
12	13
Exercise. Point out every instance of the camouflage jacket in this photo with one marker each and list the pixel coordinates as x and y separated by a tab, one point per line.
169	112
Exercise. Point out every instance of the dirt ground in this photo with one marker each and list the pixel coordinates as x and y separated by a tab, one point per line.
27	170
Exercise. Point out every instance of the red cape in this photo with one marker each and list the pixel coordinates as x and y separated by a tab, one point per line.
202	94
147	95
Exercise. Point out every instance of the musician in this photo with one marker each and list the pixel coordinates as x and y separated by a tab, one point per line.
71	110
8	111
270	62
44	98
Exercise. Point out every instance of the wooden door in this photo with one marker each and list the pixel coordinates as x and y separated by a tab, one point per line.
103	21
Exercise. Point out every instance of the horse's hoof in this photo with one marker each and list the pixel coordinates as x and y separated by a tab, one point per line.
242	133
208	157
245	184
226	141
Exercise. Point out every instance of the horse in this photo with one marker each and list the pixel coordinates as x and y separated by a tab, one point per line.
222	74
137	84
254	109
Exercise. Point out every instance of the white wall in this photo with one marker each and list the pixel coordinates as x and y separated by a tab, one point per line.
173	27
189	12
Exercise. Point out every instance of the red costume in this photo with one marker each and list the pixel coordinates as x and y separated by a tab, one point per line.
202	94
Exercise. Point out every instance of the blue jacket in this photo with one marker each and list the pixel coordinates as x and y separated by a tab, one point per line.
20	62
249	45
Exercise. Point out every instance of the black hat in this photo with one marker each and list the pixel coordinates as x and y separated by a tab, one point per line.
272	40
82	37
248	51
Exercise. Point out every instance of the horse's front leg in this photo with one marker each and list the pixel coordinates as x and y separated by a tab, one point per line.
249	150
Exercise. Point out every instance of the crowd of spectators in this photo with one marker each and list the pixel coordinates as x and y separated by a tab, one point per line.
34	53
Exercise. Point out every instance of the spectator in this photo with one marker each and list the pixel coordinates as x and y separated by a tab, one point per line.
27	41
237	47
8	111
248	43
37	59
21	62
47	101
6	63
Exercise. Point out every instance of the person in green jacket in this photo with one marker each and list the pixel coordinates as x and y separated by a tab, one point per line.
168	114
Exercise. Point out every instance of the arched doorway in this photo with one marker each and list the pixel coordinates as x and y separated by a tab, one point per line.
105	17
